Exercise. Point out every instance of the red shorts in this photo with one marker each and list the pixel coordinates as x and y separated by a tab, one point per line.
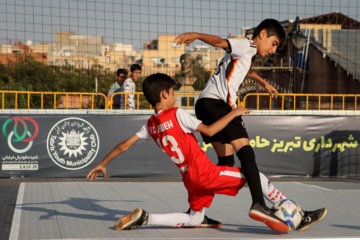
223	180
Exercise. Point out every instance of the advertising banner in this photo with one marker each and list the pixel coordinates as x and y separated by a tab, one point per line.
70	146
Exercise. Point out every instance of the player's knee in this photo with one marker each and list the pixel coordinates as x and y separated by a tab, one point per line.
196	217
246	153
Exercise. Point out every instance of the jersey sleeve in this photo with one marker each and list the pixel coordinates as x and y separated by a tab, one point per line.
238	48
187	122
112	89
143	133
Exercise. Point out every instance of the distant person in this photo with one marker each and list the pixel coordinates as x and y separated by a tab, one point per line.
121	75
129	85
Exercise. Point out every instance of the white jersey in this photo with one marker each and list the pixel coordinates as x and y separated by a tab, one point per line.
129	86
231	72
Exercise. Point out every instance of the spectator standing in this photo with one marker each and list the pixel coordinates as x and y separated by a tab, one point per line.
121	75
129	85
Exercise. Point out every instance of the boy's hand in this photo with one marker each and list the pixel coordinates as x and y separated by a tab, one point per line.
95	172
240	111
271	90
188	37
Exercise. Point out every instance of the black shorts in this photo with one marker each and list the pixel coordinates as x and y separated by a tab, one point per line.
209	111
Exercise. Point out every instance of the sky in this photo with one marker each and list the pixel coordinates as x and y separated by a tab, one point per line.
138	21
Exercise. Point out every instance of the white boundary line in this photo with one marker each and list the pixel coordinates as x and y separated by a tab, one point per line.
320	238
15	226
323	188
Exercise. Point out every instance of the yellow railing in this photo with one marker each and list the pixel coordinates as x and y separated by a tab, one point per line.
306	101
67	99
285	101
138	102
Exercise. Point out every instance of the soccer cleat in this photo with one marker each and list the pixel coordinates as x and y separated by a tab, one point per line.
207	223
264	214
310	218
135	219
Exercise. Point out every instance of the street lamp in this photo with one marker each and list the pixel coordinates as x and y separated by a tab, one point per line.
298	39
162	60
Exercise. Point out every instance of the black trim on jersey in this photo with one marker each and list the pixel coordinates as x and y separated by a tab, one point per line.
228	50
252	44
229	68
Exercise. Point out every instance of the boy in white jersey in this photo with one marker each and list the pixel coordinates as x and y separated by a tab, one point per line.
129	85
219	97
172	129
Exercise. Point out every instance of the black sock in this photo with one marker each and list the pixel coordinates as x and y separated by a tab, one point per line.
249	168
226	161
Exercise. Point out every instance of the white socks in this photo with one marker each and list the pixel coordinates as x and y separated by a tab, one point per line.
271	193
177	219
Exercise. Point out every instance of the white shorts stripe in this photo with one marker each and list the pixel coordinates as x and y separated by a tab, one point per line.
232	174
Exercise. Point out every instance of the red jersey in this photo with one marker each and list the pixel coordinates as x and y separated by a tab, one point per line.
201	177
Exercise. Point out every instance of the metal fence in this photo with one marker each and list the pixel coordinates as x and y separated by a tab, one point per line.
257	101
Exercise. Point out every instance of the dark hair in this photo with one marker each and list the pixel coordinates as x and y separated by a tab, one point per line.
134	67
273	28
121	70
154	84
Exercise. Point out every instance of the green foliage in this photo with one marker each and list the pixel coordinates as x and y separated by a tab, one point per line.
202	76
26	74
143	102
30	75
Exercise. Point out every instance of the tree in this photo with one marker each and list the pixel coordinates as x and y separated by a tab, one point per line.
26	74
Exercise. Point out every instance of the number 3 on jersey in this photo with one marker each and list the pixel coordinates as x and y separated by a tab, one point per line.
165	141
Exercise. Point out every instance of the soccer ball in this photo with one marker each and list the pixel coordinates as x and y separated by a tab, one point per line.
288	211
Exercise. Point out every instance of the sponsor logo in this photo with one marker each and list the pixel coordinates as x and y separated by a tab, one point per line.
72	143
20	138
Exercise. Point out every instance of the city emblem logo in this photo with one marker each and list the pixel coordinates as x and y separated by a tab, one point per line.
73	143
20	138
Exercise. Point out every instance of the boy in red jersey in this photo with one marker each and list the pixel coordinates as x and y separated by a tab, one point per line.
172	129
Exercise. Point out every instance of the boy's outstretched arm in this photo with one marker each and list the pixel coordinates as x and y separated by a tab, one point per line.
119	149
212	40
222	122
271	90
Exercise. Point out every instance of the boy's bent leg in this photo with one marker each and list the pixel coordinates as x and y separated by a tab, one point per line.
258	211
192	219
249	168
